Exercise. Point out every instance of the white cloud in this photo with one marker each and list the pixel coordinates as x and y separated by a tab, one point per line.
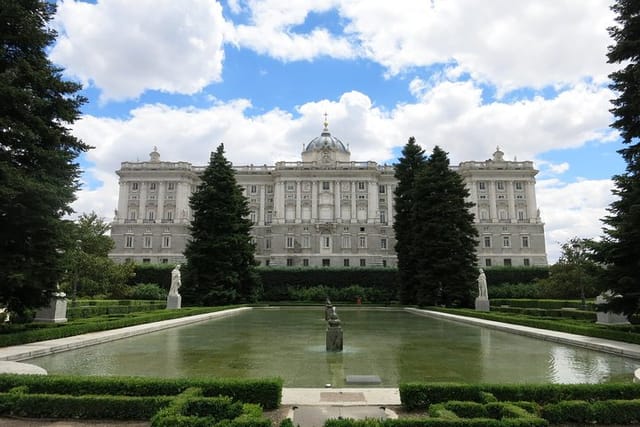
125	48
510	44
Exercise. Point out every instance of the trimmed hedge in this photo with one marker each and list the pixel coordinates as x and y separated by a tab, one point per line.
514	275
624	333
545	304
590	316
265	392
286	284
83	312
416	396
160	274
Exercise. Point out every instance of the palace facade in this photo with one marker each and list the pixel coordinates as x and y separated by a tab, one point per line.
325	210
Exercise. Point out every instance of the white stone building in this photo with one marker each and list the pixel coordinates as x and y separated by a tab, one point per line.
325	210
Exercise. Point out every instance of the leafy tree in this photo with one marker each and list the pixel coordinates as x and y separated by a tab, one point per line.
220	254
445	236
38	173
575	274
406	170
619	250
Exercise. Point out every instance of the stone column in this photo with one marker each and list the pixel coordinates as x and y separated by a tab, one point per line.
142	203
123	201
279	202
263	190
160	200
473	194
336	201
390	208
532	206
298	218
354	213
314	201
511	200
372	202
493	217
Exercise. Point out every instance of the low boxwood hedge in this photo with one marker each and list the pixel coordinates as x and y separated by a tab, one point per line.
265	392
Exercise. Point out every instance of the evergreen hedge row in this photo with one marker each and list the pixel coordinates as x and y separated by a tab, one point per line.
83	312
159	274
541	312
416	396
513	275
546	304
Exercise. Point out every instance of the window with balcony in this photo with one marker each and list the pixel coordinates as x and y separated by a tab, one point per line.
506	241
290	242
166	241
128	242
147	242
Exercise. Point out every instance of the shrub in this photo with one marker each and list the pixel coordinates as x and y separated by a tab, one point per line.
148	291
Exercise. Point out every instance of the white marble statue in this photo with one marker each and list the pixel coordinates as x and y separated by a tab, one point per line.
176	281
482	285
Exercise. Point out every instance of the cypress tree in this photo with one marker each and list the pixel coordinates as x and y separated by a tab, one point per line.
38	172
220	255
445	235
406	170
619	250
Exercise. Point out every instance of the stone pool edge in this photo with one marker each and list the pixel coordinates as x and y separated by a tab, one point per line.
21	352
619	348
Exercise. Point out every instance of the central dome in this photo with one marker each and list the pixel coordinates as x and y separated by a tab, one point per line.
326	141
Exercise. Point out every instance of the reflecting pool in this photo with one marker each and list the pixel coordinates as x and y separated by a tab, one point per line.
290	343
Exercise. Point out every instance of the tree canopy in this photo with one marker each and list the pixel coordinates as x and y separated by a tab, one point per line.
619	250
220	255
38	172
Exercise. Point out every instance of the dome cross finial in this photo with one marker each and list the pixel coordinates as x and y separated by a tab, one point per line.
326	122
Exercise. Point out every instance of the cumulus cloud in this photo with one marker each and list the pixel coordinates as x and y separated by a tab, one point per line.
125	48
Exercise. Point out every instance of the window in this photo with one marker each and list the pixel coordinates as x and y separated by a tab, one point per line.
526	262
346	242
165	260
152	186
326	262
146	260
147	242
363	262
254	189
133	214
169	215
325	185
289	262
171	186
267	243
525	241
269	218
362	243
383	217
290	241
383	243
128	242
384	262
500	185
345	262
487	241
269	188
507	262
252	216
482	186
484	214
362	229
361	186
518	185
267	262
305	262
134	186
291	186
521	215
502	214
166	241
487	262
506	241
381	189
151	215
326	242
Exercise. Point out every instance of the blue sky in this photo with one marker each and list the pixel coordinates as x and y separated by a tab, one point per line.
528	76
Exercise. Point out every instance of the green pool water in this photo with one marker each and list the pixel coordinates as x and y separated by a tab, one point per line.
290	343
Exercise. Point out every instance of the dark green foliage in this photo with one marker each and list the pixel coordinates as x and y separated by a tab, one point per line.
81	311
619	250
160	274
289	284
406	172
518	290
220	255
147	291
445	236
265	392
547	304
38	173
513	275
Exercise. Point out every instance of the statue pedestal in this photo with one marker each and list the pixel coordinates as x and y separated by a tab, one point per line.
334	339
174	302
56	311
482	304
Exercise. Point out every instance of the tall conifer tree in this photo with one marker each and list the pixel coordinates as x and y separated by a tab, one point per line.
406	170
38	172
220	255
620	248
445	236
